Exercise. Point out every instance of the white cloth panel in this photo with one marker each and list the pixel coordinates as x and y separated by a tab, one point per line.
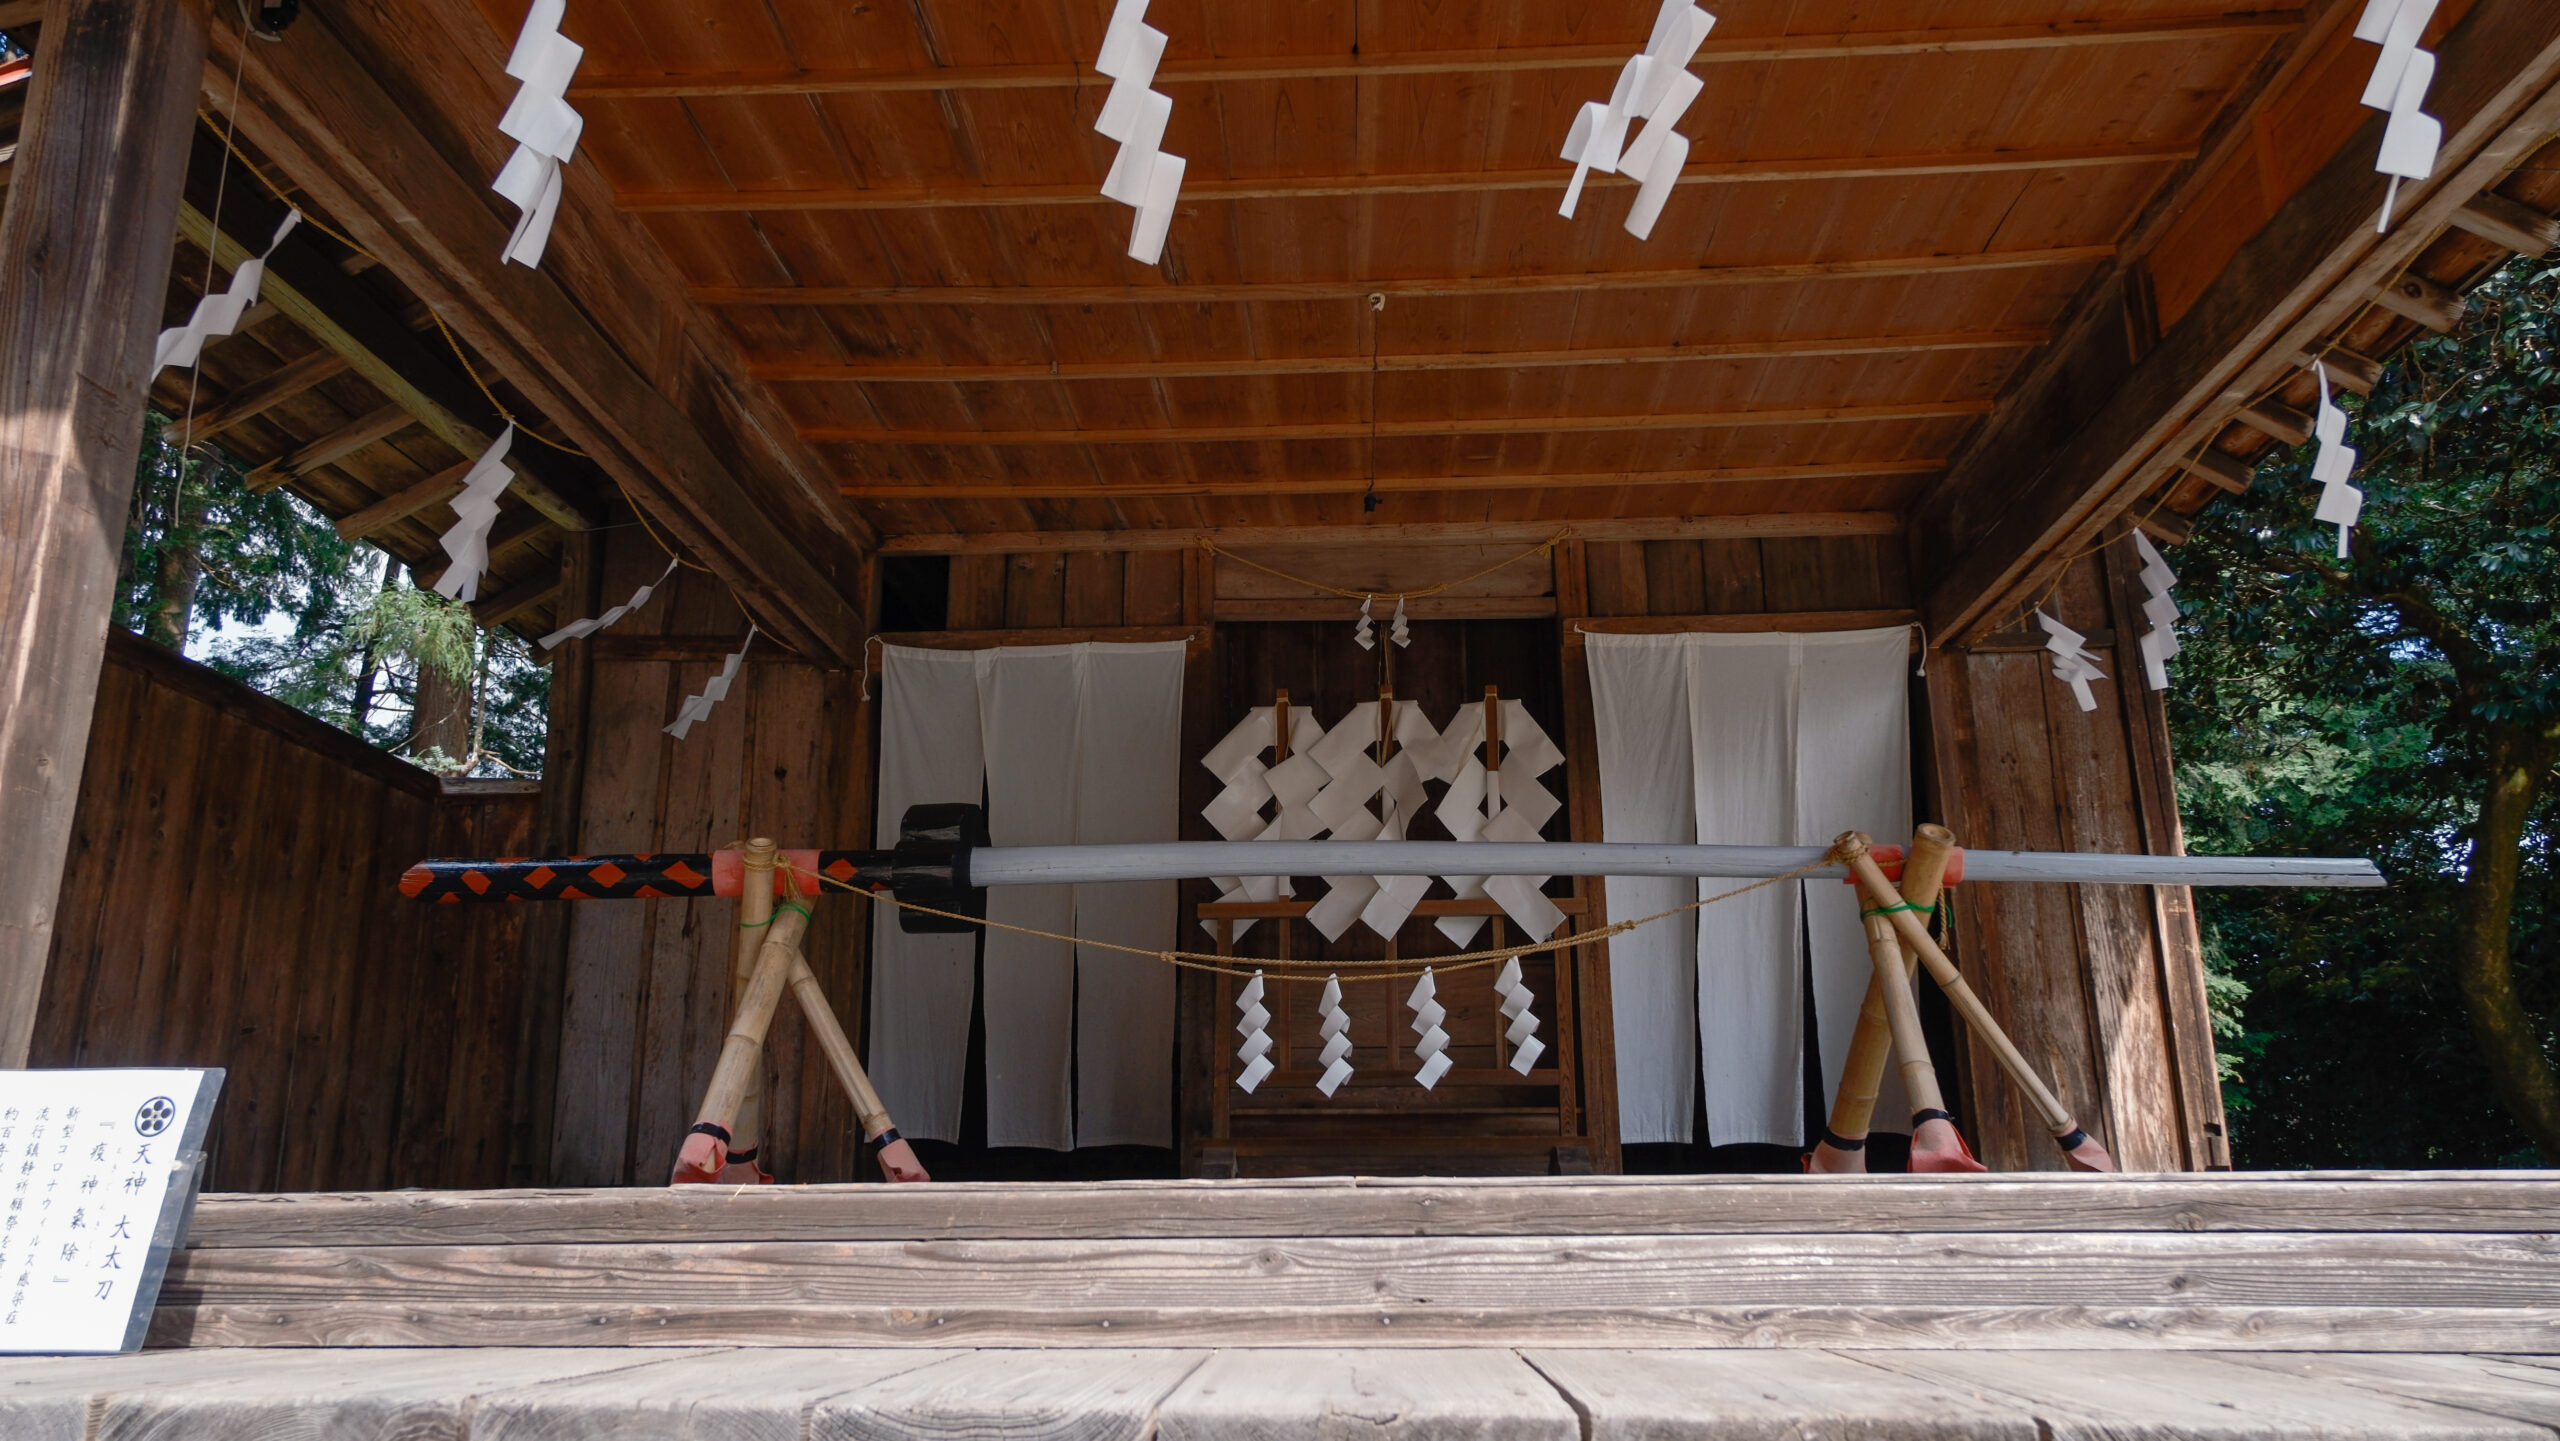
1742	725
1128	767
1853	748
921	986
1028	708
1640	705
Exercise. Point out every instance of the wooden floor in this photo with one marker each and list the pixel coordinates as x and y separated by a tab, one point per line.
557	1394
2416	1263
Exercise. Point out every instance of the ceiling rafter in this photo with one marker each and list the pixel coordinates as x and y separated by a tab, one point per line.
1251	291
1511	60
878	371
969	195
1086	488
1440	425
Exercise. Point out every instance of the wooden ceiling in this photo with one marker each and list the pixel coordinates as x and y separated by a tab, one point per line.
893	211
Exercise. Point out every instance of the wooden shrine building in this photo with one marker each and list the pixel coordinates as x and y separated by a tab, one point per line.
836	336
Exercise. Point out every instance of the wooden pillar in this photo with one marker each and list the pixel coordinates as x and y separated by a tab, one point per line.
92	216
2100	986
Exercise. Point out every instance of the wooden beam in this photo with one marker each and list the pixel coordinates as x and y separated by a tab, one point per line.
267	392
380	516
1072	635
1522	532
2276	420
379	424
311	290
1430	607
2414	297
2090	433
89	231
515	600
2221	467
1437	425
1762	623
329	124
879	371
971	196
1358	291
2347	370
1086	487
1538	59
2500	221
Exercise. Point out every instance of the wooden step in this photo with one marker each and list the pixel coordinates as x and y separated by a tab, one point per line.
2312	1263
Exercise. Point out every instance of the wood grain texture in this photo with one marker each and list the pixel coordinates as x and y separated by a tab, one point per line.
1377	1395
1712	1395
1087	1396
2445	1202
94	193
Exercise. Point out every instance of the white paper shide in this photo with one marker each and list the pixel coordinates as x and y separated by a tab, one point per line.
544	127
1655	87
1142	176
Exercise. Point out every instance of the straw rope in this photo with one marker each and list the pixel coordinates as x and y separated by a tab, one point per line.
1315	972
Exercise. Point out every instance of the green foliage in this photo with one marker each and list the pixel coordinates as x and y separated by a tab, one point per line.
2318	710
322	624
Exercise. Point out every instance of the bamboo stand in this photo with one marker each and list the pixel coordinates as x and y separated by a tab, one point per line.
1935	1145
2085	1153
1842	1149
780	966
755	911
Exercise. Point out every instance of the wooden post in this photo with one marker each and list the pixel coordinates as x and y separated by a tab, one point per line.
91	221
755	912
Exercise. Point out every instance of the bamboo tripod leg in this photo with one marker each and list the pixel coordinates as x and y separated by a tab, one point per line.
897	1159
755	911
1935	1145
2084	1151
1843	1145
705	1155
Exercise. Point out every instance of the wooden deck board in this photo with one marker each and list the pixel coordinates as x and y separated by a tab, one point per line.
1557	1206
572	1394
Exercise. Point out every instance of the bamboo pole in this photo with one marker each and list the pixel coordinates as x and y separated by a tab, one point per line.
1842	1149
1935	1144
897	1159
755	911
2084	1150
706	1151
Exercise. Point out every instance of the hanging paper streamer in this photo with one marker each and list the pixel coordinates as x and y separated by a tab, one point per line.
543	126
698	707
1521	1030
578	629
1505	803
2072	663
1142	175
1252	1023
219	315
1334	1024
2340	501
1398	630
1237	811
2160	643
1433	1049
468	540
2399	85
1657	88
1365	634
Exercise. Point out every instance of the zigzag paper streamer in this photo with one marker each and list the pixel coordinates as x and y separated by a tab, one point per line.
2160	643
1433	1049
1237	811
467	542
2399	85
543	126
1522	1032
1474	810
1398	629
1142	175
2072	663
2340	502
1365	634
218	315
1252	1023
1334	1024
698	708
578	629
1657	88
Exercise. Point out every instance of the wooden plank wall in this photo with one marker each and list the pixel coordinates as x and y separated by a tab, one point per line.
231	901
2101	986
1050	590
645	994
